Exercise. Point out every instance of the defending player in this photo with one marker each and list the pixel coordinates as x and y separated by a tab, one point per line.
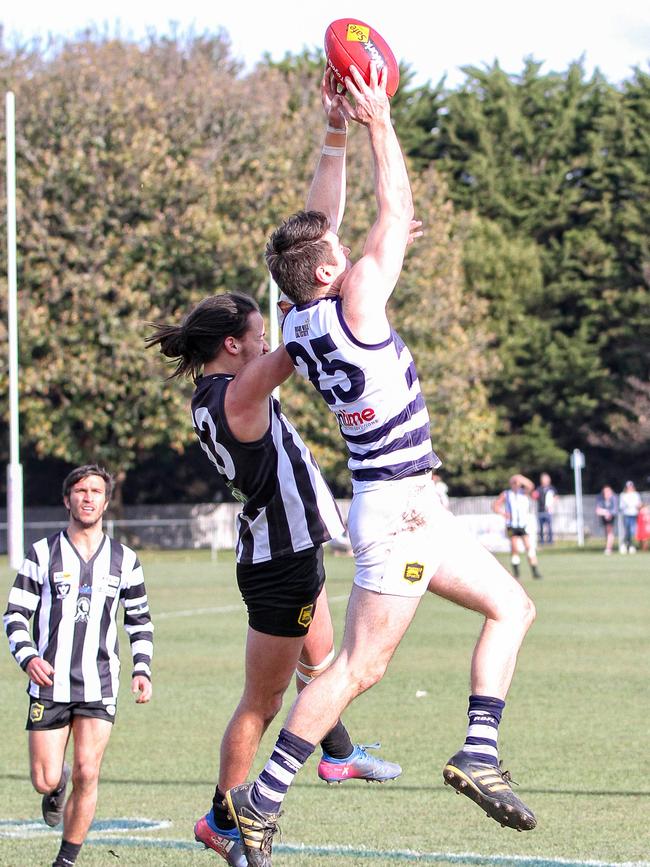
287	514
404	542
73	583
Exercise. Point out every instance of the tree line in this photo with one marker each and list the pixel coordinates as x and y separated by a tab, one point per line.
150	175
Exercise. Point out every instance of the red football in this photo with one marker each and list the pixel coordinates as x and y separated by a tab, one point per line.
349	41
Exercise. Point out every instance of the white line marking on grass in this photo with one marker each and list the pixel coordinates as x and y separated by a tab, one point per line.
29	828
388	855
224	609
191	612
101	831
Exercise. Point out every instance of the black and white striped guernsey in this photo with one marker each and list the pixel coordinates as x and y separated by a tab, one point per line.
286	504
74	604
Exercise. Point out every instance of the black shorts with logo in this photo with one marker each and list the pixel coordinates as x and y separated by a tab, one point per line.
281	594
44	715
517	531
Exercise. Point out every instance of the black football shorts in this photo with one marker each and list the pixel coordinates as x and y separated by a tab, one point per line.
44	714
281	594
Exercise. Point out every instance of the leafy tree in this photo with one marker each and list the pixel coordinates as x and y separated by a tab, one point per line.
557	162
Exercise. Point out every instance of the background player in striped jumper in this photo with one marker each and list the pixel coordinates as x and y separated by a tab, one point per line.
404	541
73	583
514	506
287	514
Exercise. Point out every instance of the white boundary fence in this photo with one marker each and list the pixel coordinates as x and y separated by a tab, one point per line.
212	525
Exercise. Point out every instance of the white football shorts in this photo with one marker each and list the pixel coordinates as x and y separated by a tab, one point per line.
400	533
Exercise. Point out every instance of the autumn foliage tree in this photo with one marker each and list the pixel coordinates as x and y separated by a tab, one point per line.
150	175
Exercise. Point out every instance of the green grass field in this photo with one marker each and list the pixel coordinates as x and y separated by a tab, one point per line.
574	733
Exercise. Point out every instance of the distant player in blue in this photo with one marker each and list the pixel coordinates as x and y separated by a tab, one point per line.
545	495
404	541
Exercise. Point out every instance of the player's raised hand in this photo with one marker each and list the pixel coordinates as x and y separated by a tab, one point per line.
371	102
335	105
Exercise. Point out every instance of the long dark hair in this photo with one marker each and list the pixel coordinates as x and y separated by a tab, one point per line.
200	336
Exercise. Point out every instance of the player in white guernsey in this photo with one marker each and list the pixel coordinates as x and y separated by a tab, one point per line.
73	583
514	506
404	542
287	514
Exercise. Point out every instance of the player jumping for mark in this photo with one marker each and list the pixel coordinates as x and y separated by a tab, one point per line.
404	542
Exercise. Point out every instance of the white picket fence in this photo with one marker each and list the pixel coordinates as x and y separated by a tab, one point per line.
212	525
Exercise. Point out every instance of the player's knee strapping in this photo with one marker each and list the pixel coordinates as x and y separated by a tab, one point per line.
306	673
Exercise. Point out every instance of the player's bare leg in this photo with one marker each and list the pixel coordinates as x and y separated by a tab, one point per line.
470	576
531	554
374	626
341	760
270	664
90	737
49	772
46	754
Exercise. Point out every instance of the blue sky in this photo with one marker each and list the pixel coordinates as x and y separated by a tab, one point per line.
436	39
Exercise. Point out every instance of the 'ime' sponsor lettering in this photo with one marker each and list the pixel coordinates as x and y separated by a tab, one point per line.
354	419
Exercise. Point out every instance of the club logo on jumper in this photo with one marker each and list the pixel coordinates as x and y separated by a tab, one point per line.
62	583
302	330
306	615
83	610
36	711
357	33
413	572
355	419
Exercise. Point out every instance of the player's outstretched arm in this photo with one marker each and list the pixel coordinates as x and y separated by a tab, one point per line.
371	281
522	482
328	188
247	396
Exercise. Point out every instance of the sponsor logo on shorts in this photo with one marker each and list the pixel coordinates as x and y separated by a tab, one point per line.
413	572
110	709
36	711
306	615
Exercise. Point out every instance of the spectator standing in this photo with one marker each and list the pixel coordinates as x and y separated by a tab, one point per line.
607	510
546	496
629	504
643	526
